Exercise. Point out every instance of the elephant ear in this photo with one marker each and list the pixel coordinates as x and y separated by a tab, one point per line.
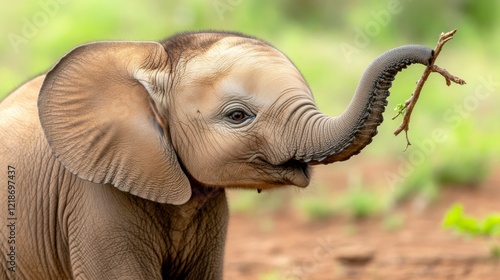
99	113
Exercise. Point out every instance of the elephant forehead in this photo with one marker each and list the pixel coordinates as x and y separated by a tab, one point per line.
252	67
241	69
234	53
240	49
262	84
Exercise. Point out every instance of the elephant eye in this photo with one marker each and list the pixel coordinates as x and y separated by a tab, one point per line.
238	116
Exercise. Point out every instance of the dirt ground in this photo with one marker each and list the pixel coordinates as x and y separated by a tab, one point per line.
339	248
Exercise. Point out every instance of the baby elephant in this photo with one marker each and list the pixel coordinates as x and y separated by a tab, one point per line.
115	162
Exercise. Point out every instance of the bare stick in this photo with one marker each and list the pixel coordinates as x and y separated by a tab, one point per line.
407	109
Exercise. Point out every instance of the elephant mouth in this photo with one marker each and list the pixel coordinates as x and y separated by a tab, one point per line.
291	172
296	172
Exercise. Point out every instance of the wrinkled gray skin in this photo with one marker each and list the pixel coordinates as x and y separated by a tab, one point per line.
123	150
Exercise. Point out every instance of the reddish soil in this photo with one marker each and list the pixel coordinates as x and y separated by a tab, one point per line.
340	248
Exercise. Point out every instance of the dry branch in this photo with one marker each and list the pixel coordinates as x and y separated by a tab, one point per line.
407	109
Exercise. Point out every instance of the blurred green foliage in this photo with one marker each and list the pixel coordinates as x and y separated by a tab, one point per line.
356	202
360	203
420	183
457	220
331	42
271	275
465	161
393	221
316	208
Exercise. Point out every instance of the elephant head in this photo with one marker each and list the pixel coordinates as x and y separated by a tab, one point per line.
218	109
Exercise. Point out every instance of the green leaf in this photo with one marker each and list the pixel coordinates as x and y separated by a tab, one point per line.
400	108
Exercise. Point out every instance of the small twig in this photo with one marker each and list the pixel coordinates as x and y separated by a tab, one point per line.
448	77
410	103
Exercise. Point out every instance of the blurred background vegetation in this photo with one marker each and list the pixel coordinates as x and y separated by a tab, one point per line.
331	42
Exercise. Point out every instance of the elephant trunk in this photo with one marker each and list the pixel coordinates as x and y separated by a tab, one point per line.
328	140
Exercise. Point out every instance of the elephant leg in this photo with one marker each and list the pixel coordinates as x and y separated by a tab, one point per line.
105	251
119	236
200	246
206	263
106	238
